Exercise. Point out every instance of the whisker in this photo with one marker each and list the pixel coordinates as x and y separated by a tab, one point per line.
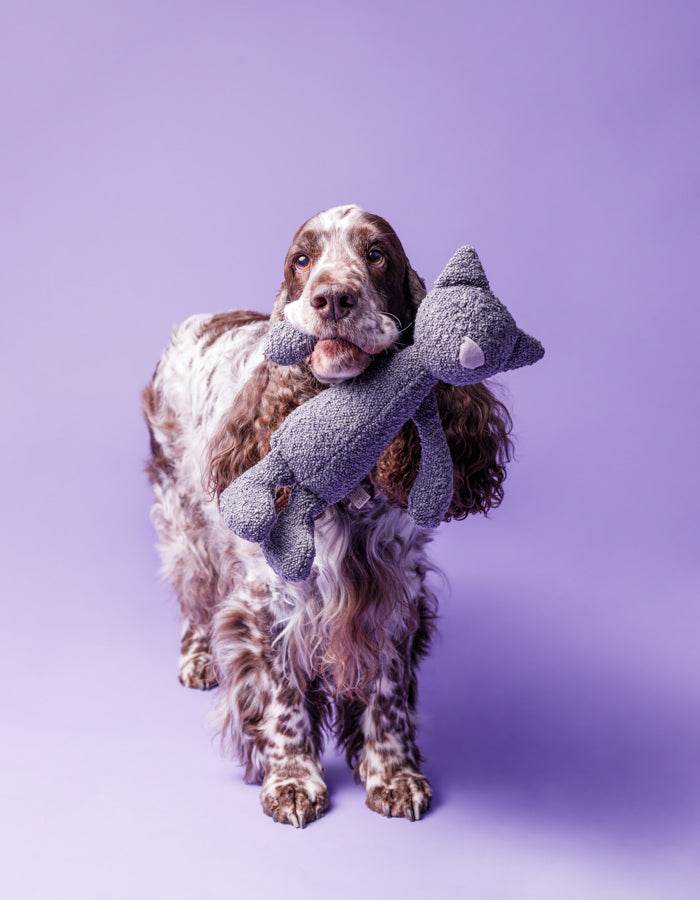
393	318
398	323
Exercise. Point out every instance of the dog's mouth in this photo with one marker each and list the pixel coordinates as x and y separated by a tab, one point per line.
336	359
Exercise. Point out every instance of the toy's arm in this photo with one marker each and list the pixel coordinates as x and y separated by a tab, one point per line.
247	505
431	493
286	345
290	547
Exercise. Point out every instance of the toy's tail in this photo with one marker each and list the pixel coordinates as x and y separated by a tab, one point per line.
527	350
463	270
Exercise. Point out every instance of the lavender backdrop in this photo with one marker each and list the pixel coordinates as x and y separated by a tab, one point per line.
156	158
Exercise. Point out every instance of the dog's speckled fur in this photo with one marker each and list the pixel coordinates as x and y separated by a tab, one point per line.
340	651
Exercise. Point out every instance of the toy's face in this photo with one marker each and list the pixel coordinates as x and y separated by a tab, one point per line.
465	334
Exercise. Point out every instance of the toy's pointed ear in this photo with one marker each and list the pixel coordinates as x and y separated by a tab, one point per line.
463	270
527	350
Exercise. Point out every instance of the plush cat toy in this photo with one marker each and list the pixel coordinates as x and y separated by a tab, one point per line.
329	444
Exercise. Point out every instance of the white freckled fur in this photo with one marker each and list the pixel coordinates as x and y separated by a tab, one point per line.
197	386
182	376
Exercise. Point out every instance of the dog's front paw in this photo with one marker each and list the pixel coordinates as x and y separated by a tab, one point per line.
294	801
405	793
197	671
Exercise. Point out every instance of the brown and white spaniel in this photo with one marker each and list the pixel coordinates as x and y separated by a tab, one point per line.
337	654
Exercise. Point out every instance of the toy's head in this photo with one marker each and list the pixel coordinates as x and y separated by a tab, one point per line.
463	333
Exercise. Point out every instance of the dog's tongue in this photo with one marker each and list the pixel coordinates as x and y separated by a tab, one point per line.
340	350
336	345
338	358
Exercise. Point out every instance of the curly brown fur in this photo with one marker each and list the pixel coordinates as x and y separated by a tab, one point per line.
266	399
478	428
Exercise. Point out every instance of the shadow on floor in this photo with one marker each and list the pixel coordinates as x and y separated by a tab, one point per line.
515	717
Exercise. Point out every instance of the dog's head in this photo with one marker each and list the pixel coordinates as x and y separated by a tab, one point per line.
348	282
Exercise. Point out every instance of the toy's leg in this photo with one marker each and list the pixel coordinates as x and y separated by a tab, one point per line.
290	549
431	493
286	345
248	504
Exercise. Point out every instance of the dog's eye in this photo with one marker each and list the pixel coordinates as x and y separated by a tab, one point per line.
375	256
302	261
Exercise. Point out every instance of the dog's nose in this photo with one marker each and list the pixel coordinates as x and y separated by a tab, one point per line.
333	304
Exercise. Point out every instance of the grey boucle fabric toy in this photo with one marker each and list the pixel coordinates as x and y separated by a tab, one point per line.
326	446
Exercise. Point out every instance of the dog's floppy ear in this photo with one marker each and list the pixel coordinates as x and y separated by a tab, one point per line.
279	304
413	294
414	287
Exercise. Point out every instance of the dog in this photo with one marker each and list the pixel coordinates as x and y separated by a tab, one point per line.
337	654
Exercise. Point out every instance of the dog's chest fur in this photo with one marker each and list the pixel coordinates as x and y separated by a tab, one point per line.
375	549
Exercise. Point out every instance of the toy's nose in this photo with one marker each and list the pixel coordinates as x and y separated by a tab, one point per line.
334	302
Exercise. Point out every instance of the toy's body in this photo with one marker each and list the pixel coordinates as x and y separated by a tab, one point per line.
354	420
325	447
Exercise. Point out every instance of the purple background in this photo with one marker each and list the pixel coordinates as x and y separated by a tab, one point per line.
156	158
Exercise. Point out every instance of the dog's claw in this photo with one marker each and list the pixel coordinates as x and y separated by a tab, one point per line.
404	794
294	803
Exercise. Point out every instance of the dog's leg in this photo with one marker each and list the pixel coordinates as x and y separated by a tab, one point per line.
187	565
185	560
196	666
379	736
274	725
389	762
